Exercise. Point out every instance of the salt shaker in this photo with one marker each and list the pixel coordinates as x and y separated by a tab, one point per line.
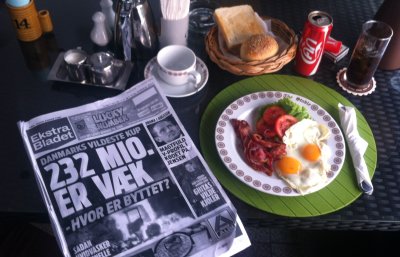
100	33
107	9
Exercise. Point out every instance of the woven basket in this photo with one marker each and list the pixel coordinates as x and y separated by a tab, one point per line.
240	67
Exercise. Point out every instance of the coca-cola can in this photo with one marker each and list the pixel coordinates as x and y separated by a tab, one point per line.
312	43
332	45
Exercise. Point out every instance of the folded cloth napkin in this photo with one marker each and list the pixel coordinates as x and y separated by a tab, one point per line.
357	146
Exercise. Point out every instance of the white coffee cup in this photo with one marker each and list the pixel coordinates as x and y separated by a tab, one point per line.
177	65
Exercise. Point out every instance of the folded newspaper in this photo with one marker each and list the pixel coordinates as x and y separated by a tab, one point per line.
122	177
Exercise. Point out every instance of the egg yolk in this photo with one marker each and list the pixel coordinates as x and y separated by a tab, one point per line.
311	152
289	165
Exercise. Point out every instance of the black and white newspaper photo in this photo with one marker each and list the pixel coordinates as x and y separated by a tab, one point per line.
165	131
197	186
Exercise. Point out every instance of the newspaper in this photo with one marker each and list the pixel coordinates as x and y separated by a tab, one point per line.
122	177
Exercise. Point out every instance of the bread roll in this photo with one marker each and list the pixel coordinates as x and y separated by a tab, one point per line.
237	23
258	47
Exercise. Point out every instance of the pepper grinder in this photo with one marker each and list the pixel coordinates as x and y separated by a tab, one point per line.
100	34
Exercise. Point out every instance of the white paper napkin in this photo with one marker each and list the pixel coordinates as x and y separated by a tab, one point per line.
357	146
174	9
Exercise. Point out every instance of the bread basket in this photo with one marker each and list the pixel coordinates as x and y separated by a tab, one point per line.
240	67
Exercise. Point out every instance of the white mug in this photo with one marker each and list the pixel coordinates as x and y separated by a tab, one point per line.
177	65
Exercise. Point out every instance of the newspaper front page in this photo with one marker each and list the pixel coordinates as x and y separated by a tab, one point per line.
122	177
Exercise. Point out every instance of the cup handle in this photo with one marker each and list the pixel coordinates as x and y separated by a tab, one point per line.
196	77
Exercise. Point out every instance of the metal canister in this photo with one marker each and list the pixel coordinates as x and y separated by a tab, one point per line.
135	27
75	64
312	43
102	70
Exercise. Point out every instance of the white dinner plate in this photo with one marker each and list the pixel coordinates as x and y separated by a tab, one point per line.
248	108
182	90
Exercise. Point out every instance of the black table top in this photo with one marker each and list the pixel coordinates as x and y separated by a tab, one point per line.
26	93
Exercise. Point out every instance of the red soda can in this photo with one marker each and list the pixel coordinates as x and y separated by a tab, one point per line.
312	43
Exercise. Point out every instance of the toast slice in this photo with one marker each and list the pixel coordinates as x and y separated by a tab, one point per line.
237	24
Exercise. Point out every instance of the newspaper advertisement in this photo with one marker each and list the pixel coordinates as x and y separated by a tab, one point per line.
122	177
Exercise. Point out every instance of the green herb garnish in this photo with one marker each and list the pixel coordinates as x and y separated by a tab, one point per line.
299	112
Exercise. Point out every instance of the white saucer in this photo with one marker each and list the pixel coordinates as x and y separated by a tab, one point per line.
181	90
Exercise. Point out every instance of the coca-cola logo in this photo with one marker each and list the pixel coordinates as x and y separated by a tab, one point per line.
310	50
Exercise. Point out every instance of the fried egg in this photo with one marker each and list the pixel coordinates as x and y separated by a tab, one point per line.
305	164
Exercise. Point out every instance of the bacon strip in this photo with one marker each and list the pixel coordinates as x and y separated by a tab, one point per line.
260	152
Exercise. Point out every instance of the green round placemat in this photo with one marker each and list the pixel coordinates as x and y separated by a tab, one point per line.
338	194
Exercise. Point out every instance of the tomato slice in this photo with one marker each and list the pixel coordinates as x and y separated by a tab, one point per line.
272	113
283	123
